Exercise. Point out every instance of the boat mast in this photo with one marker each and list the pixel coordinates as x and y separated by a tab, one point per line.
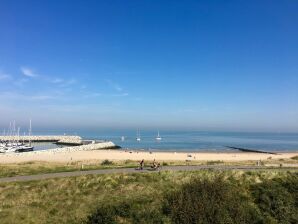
18	135
30	129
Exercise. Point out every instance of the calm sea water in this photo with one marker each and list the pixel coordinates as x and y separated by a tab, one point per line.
192	140
45	146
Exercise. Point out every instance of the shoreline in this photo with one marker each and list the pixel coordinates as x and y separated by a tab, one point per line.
75	154
204	151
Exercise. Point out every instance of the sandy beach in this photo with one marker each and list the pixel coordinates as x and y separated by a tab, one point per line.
118	155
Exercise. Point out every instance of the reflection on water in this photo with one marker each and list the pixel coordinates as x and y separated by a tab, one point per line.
45	146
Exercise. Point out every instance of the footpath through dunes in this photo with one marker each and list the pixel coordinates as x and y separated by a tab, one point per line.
145	170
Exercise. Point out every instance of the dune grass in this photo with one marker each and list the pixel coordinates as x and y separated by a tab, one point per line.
71	200
40	167
31	168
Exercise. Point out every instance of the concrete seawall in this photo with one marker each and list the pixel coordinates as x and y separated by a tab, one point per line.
89	147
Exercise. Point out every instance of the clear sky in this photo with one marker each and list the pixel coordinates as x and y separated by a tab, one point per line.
206	65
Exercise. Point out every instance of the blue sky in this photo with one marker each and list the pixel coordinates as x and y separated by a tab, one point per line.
206	65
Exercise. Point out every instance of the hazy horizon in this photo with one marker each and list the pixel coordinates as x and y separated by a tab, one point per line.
70	130
194	65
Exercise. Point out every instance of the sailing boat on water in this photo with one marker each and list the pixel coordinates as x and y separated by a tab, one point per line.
138	136
158	138
28	147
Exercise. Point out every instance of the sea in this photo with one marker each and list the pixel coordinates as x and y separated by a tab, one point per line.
191	141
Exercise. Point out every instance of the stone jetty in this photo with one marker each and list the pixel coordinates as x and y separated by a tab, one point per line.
89	147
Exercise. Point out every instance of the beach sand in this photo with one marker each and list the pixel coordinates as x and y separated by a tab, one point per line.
121	155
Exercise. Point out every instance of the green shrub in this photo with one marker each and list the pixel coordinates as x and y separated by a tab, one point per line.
132	211
278	199
291	184
107	163
102	215
210	201
214	162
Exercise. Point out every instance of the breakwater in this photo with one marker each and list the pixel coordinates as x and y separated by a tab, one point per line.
251	150
88	147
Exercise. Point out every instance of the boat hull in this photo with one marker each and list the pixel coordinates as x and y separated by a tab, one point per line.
25	149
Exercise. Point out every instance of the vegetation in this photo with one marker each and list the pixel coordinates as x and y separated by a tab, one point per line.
277	199
212	199
71	200
31	168
159	197
217	162
107	163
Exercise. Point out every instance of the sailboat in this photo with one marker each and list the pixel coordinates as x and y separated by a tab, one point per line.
138	136
158	138
28	147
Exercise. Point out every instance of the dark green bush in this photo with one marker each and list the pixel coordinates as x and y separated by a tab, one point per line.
107	163
278	199
210	201
132	211
102	215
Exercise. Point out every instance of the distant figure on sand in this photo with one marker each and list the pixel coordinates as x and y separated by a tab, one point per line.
142	164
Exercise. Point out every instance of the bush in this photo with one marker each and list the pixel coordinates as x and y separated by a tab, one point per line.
278	199
107	163
102	215
210	201
214	162
291	184
132	211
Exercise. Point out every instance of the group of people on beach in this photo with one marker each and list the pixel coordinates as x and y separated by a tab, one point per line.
155	165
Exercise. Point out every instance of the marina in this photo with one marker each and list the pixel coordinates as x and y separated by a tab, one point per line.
14	143
27	143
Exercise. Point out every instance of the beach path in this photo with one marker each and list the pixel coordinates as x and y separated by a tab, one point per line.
133	170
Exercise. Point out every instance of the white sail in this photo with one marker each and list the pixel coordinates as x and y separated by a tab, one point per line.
158	138
138	135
